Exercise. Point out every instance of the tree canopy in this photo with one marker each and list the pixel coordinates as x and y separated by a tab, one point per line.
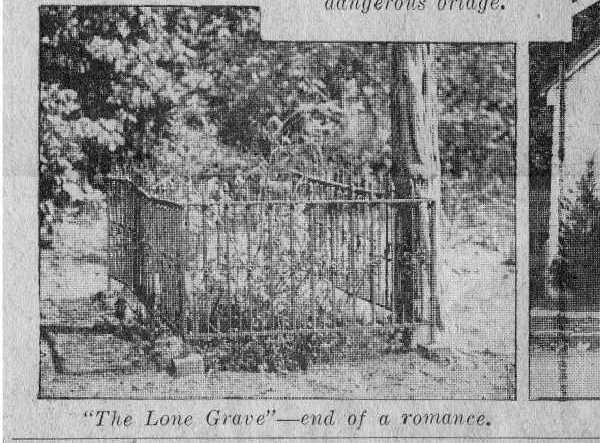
167	86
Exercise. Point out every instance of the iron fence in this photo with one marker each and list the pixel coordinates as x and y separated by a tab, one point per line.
323	256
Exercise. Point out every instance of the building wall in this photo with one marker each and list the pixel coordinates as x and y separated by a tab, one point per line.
582	123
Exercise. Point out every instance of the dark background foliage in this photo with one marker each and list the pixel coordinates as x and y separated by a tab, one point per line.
174	88
577	268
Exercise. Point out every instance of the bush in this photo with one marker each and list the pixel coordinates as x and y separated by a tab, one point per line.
576	267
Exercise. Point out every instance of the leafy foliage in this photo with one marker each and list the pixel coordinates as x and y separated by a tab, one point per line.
178	91
126	83
65	136
477	122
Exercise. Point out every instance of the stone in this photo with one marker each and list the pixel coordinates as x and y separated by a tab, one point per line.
190	364
166	348
437	353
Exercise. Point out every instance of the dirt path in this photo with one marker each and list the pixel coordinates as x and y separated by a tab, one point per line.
405	376
572	375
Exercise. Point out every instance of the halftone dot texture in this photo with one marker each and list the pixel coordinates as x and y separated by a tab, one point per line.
264	228
565	216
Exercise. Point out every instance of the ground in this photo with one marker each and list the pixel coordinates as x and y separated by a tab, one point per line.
479	300
564	365
573	374
403	376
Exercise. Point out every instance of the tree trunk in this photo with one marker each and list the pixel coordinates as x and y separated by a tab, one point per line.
416	174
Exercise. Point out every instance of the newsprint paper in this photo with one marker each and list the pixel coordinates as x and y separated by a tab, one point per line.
301	219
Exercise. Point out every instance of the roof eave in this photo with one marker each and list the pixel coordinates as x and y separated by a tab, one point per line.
580	62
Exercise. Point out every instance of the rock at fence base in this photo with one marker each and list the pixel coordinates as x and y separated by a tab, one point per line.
138	308
399	340
104	300
123	311
440	354
191	364
424	335
167	348
583	346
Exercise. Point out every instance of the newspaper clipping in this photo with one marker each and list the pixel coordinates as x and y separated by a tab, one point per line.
302	219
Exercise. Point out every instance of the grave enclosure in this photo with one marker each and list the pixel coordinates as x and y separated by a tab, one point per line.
313	254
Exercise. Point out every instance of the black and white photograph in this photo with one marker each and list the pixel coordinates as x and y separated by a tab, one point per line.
564	218
223	216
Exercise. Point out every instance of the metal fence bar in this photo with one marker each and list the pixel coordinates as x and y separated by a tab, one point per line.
348	328
248	267
434	266
387	262
205	260
311	267
322	244
226	229
332	254
404	201
109	236
333	184
372	263
378	253
293	290
269	269
352	255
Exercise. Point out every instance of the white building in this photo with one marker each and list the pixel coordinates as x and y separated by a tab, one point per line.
579	117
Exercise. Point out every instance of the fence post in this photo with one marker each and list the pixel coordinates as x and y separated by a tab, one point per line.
389	299
371	255
434	270
293	292
157	294
248	294
227	232
205	263
332	258
183	305
352	252
138	265
312	253
109	240
396	291
269	246
190	305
